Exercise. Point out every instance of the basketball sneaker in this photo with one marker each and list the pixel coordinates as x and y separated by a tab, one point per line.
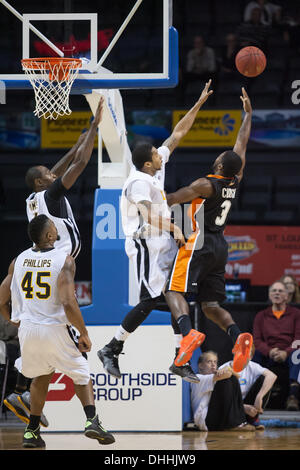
109	356
24	399
13	404
185	372
242	351
32	438
94	430
188	344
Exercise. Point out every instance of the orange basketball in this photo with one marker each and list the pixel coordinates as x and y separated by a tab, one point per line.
250	61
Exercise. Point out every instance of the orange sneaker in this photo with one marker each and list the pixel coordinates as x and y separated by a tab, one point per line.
188	344
242	351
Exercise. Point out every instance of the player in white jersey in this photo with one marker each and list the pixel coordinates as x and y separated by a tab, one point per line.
50	188
40	288
146	220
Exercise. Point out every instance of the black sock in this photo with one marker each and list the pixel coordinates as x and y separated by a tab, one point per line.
34	422
90	411
185	324
233	331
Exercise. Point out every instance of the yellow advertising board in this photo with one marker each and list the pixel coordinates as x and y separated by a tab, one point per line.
64	131
212	128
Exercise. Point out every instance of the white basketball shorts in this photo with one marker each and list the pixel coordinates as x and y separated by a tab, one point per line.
46	348
152	259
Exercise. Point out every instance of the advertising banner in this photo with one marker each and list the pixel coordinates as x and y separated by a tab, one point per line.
272	128
146	398
263	253
64	131
213	128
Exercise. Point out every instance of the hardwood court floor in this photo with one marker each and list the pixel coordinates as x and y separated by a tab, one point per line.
269	439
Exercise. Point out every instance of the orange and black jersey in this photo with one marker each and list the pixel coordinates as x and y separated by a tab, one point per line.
217	207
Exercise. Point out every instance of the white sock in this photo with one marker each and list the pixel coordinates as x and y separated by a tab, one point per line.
178	339
121	334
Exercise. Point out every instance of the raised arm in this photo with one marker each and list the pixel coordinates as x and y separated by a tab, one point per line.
184	125
244	132
62	165
5	294
66	292
202	188
84	151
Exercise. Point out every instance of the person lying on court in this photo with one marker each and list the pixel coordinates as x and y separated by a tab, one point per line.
199	266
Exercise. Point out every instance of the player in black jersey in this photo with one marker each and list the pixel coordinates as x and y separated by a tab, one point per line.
199	266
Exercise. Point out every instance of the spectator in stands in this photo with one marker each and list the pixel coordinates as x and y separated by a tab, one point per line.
270	12
253	32
9	335
293	289
227	58
256	383
216	399
276	335
201	61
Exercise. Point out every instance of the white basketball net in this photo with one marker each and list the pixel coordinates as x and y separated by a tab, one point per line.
51	80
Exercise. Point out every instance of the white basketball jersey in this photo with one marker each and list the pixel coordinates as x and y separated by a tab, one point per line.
153	191
67	229
34	290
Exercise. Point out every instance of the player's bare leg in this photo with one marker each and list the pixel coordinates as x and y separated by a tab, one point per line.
243	342
192	339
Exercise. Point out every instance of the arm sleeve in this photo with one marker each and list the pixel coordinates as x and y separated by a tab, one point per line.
56	191
139	191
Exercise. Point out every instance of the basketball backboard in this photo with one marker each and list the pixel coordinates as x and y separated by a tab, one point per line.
123	43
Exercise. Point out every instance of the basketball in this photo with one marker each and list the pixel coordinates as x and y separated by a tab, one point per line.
250	61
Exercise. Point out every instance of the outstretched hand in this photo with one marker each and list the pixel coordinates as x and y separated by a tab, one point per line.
246	101
99	112
205	93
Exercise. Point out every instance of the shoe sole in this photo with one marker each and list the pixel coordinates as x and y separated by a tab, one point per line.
185	378
13	409
187	354
242	351
101	357
28	410
102	440
32	446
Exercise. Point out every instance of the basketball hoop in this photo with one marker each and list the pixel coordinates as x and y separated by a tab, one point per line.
51	79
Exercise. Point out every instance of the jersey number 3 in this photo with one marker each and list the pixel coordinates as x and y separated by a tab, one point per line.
220	220
28	287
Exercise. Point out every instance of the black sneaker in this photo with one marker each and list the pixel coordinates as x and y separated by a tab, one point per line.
94	430
24	400
13	404
110	360
186	372
32	439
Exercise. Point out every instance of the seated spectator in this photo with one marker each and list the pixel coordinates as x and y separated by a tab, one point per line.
228	54
293	289
256	383
276	335
9	335
201	61
216	399
270	12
